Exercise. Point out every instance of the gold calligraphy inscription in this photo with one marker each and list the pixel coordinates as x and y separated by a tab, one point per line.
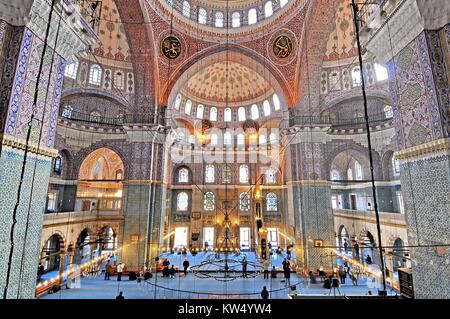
171	47
282	47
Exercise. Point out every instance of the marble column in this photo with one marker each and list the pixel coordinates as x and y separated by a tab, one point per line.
414	41
22	30
311	194
143	205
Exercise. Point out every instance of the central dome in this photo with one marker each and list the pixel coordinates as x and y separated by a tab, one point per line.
230	82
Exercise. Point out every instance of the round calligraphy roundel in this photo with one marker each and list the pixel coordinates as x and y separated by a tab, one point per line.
282	47
171	47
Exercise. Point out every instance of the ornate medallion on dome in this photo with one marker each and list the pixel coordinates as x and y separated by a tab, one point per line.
224	82
171	47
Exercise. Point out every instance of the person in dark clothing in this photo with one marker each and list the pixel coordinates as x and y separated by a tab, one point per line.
120	296
264	293
108	269
185	266
172	272
273	273
369	260
287	274
327	283
244	267
345	246
166	272
40	271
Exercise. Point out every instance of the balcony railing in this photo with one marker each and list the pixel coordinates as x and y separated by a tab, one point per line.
336	122
100	120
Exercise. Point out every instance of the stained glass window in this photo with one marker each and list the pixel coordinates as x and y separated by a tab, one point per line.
209	201
271	202
183	175
182	201
244	202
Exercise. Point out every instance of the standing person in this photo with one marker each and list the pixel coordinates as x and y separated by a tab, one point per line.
273	273
356	248
342	274
108	269
345	246
244	267
120	296
264	293
40	271
287	274
172	272
120	268
185	266
266	268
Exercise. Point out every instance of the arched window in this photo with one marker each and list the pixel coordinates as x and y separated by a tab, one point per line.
358	171
200	111
57	167
202	16
276	102
241	114
187	107
95	117
381	72
95	74
209	174
266	108
227	139
119	80
119	175
186	9
219	19
183	175
72	69
271	202
395	166
335	81
236	20
350	174
335	176
191	139
271	177
243	174
182	201
356	76
209	201
244	202
178	102
273	138
214	139
262	140
283	3
226	174
255	112
388	112
241	139
67	111
268	9
252	16
227	115
213	114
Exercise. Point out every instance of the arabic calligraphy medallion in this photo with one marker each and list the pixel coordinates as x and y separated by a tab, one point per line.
171	47
282	47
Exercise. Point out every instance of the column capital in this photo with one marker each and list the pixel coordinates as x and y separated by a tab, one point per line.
75	34
400	22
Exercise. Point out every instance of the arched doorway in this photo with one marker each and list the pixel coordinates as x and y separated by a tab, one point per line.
107	240
100	182
343	240
51	253
398	254
82	251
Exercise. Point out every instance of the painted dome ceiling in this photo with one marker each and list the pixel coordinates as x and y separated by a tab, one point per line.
212	84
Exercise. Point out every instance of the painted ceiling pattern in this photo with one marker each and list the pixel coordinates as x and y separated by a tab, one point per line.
113	43
341	44
216	81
